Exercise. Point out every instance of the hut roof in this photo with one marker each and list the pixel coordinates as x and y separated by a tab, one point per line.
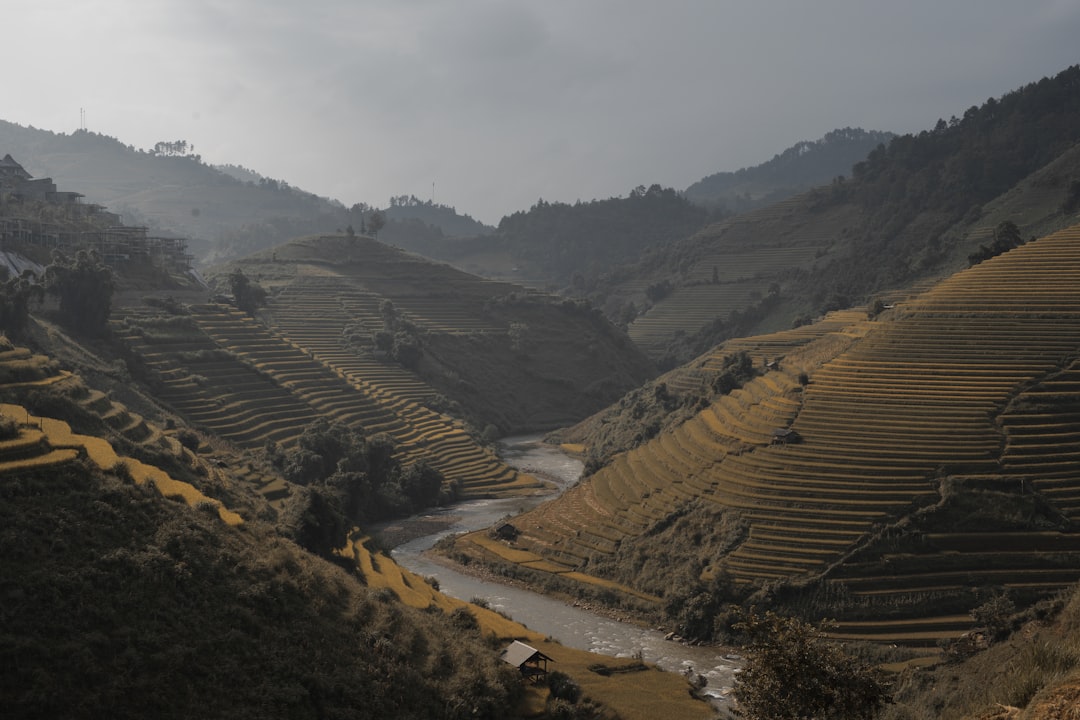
518	653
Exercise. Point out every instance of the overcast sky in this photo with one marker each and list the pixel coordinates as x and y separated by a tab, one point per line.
499	103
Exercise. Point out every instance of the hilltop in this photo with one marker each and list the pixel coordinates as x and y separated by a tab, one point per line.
801	167
487	351
562	246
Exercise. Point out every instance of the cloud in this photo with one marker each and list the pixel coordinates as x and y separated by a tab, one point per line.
501	102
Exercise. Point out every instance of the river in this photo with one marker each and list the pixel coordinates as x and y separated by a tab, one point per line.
569	625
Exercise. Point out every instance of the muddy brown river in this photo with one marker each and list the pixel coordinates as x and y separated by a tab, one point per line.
570	625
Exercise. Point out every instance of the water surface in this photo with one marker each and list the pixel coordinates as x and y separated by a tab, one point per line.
572	626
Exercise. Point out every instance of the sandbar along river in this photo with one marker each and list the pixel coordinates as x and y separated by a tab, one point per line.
569	625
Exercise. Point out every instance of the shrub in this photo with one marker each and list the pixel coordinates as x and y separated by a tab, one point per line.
563	687
464	620
995	615
122	471
9	428
188	439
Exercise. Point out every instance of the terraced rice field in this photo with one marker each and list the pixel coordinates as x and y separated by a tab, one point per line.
333	319
247	384
690	309
746	265
731	272
977	377
217	391
45	442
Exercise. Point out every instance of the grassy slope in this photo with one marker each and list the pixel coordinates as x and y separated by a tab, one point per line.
1033	675
119	602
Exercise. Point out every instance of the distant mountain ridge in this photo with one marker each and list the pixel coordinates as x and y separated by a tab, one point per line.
226	211
405	208
802	166
570	247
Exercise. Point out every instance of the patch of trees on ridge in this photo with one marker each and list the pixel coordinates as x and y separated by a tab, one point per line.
345	479
802	166
574	244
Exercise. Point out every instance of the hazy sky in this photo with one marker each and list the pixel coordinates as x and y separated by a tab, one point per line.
500	103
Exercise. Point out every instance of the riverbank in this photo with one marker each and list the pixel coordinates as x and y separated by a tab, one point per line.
576	621
485	571
619	682
394	533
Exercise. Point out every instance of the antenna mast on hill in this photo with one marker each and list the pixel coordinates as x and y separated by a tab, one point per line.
82	119
432	192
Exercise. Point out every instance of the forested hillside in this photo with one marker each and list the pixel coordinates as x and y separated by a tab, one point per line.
559	246
801	167
914	209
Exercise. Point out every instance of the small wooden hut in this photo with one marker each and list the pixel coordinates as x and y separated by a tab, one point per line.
528	660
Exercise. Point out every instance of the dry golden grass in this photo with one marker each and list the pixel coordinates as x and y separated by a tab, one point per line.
99	451
545	566
600	582
501	549
54	457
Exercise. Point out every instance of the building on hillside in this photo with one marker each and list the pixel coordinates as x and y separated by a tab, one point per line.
12	172
77	225
15	180
528	660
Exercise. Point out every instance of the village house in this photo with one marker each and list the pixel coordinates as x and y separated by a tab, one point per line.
88	226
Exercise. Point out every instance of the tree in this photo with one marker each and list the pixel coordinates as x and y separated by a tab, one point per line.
1006	237
421	484
995	615
85	288
793	673
376	222
249	295
519	336
407	350
15	297
315	519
